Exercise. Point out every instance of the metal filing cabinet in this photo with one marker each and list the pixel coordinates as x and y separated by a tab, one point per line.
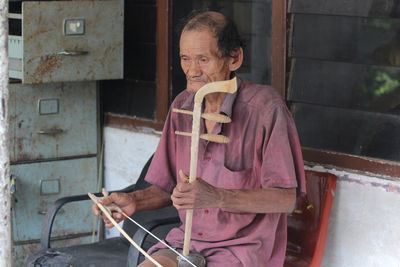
38	185
53	120
68	41
62	49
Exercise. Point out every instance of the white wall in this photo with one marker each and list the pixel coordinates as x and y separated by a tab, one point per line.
364	229
125	154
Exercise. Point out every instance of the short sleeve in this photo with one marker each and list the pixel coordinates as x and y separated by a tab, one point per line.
282	164
162	172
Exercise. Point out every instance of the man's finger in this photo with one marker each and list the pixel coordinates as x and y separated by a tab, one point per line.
183	187
117	216
106	200
181	201
95	209
183	177
177	193
183	206
113	198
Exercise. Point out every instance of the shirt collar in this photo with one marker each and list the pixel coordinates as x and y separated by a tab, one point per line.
226	107
189	102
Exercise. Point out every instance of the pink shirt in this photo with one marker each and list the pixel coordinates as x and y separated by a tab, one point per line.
264	152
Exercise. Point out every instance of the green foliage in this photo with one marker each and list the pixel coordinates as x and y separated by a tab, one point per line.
386	83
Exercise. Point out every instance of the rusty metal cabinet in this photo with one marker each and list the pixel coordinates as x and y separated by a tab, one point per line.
52	120
57	52
38	185
67	41
54	130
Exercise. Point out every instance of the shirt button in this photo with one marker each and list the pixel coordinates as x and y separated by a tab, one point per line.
199	234
208	158
206	211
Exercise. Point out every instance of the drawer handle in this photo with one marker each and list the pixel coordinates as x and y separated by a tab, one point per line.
72	53
51	131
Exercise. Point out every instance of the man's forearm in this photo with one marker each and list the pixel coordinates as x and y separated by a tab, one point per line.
269	200
151	198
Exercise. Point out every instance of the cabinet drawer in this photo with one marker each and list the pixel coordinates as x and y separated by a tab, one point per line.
52	120
38	185
68	41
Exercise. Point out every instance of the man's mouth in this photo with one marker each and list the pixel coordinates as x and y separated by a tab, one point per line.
193	79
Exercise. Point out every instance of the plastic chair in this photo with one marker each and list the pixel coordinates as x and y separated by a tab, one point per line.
109	252
307	224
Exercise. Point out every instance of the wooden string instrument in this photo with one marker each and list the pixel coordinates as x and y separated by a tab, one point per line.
229	86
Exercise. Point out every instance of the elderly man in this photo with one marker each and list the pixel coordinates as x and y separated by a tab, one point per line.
244	187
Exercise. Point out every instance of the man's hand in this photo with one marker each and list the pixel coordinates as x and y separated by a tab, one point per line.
196	195
125	201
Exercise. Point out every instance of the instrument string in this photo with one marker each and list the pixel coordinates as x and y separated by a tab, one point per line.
158	239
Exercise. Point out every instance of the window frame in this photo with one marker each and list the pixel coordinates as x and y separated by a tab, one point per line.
279	77
163	76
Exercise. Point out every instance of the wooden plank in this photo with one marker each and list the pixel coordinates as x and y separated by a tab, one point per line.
348	131
332	159
362	41
131	123
347	85
163	59
278	46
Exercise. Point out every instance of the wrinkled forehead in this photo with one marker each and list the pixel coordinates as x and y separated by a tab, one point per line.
198	42
204	32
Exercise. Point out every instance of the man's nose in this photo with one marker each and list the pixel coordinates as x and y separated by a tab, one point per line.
194	69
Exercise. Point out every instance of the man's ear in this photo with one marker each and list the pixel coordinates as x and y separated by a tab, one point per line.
237	60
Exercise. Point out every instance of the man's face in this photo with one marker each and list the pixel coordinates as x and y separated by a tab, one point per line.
200	59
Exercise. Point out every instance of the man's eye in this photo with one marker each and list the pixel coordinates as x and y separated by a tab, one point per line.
204	60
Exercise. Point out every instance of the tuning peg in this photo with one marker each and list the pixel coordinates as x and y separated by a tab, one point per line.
208	116
217	138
